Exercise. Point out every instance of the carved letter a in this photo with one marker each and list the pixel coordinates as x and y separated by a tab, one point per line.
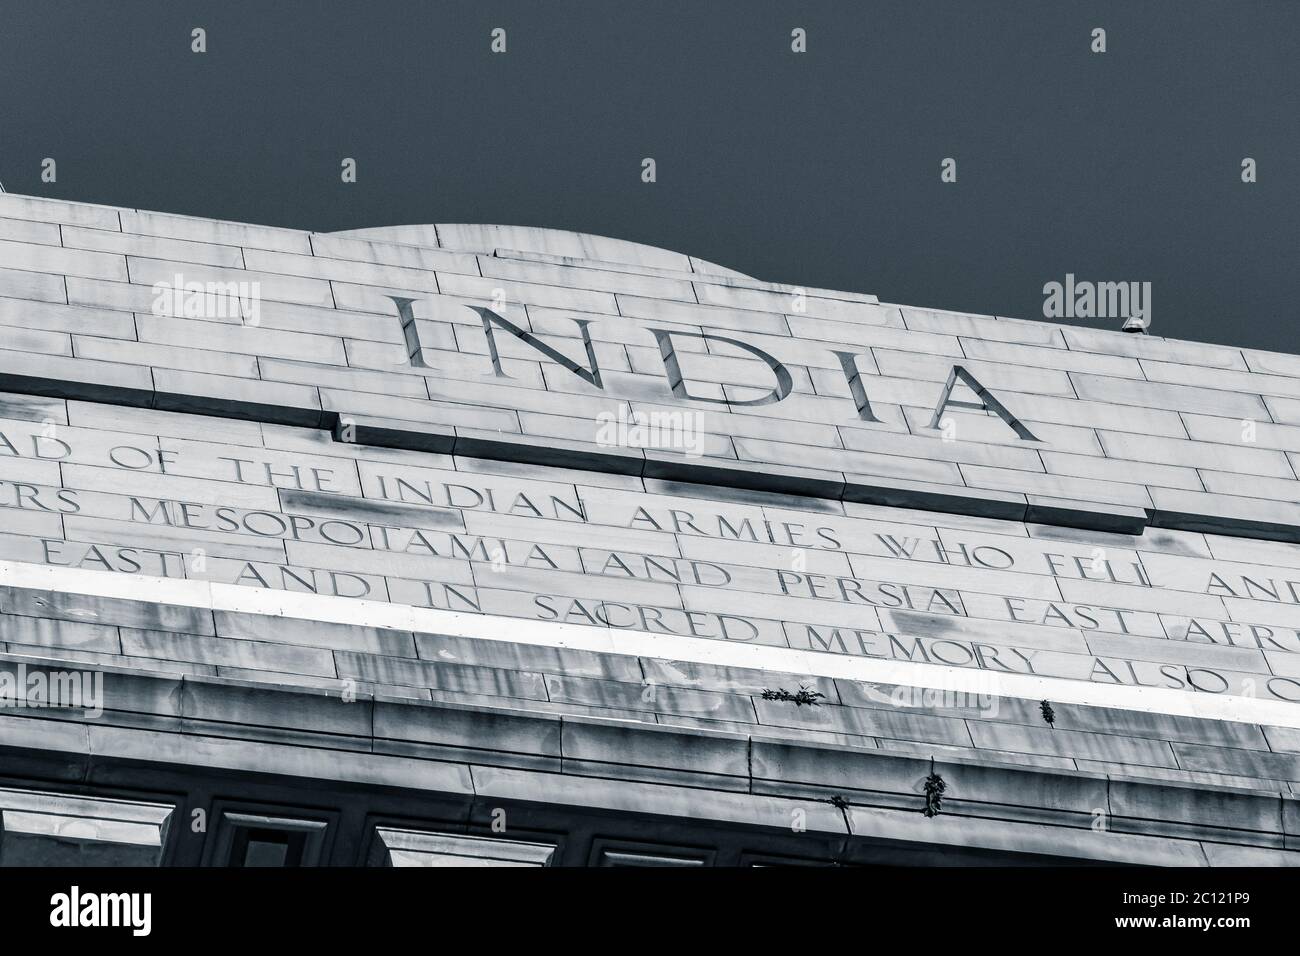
986	403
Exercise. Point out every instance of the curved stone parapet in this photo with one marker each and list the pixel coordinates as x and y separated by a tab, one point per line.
485	239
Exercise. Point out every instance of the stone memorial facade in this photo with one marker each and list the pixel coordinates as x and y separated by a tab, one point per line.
486	545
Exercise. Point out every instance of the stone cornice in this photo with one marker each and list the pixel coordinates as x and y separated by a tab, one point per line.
483	753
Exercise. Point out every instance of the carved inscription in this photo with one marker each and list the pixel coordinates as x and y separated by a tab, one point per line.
469	536
665	339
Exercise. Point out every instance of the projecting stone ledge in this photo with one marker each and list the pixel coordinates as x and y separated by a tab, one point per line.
475	756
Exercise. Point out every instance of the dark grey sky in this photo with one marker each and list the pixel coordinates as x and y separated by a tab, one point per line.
819	169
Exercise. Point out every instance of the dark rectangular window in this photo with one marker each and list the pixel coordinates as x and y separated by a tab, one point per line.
265	847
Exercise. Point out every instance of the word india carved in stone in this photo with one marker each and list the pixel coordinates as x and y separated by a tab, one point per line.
665	341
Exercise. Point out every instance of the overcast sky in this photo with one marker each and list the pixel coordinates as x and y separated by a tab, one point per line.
817	169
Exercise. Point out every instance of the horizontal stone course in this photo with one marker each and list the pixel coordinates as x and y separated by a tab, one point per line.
1014	728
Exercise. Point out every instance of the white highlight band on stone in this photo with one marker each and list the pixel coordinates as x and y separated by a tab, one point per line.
671	647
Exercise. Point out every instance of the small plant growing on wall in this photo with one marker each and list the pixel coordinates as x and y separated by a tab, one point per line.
934	788
803	696
1049	715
